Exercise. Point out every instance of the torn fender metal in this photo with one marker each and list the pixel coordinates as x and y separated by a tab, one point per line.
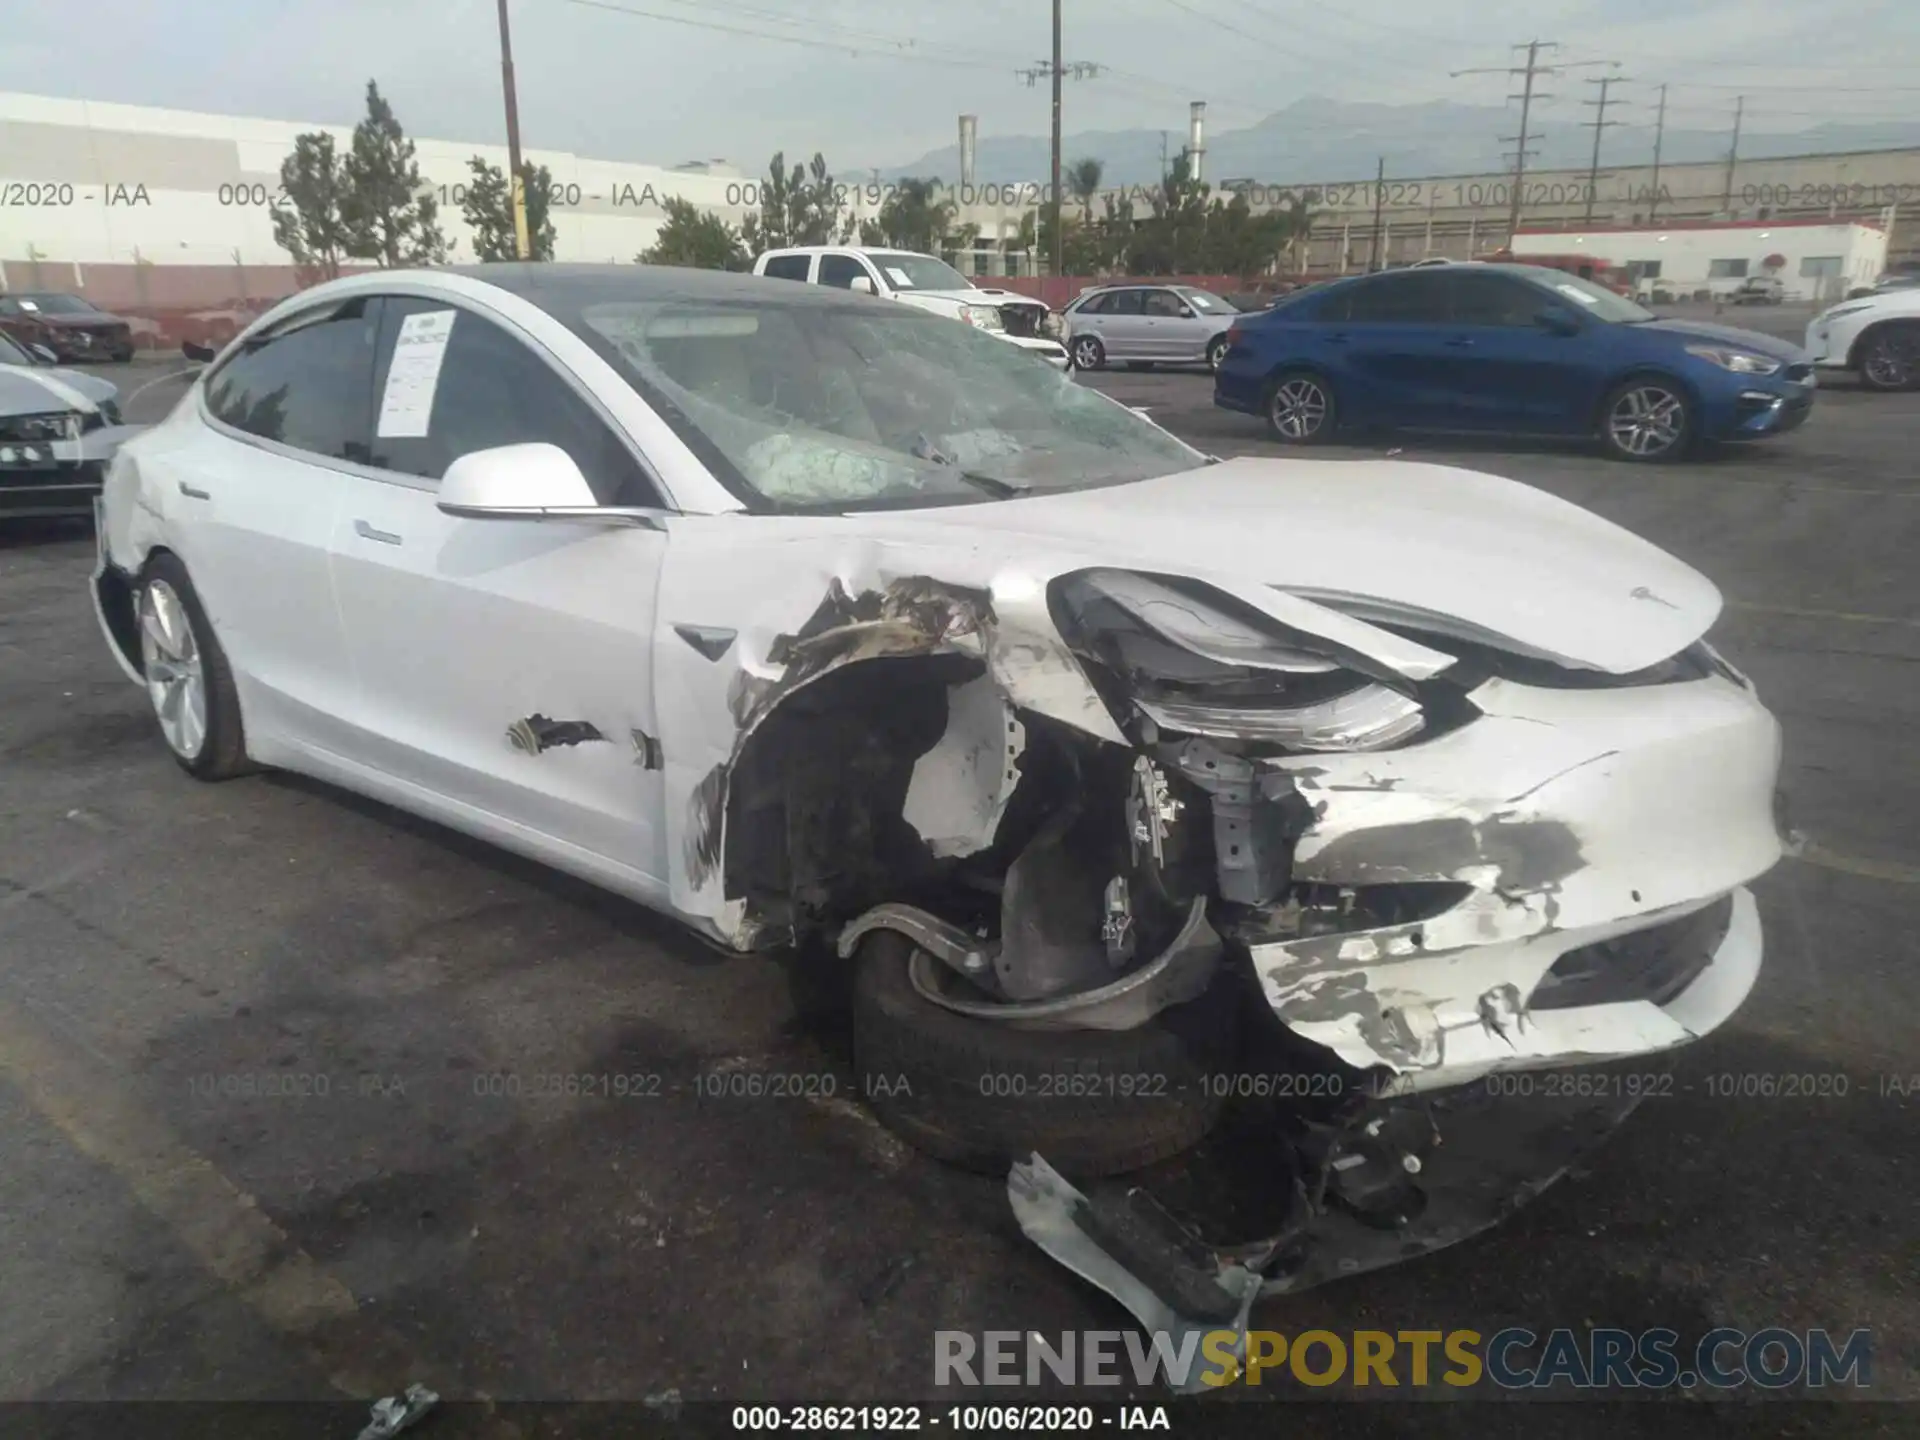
1575	816
1175	1290
805	595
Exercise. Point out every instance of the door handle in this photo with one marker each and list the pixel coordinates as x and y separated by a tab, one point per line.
1333	339
367	532
193	494
1460	342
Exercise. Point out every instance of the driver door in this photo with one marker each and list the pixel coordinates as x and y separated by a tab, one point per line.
504	666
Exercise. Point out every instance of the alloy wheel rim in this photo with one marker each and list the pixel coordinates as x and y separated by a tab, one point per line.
1086	354
1216	352
1888	364
1647	420
1299	409
170	657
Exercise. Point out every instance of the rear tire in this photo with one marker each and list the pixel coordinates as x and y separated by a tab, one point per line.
1890	357
1301	409
1647	420
981	1095
189	683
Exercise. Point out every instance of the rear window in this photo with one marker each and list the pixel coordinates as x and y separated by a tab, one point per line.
787	267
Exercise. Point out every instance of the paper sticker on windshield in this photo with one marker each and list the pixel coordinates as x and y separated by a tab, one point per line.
1582	296
407	404
900	278
29	306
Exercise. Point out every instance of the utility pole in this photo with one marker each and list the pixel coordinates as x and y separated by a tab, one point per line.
1600	123
1733	152
516	181
1659	134
1526	97
1163	155
1057	71
1053	195
1379	185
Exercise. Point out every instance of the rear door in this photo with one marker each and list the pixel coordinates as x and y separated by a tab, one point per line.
1393	344
1121	326
504	665
255	492
840	271
1507	371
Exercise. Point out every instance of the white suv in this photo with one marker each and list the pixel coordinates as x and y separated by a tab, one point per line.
1877	336
923	282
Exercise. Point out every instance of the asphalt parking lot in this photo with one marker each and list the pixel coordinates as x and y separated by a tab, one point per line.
395	1219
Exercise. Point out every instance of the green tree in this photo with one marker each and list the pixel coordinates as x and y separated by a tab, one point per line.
915	216
309	226
488	209
389	213
696	238
801	205
1083	183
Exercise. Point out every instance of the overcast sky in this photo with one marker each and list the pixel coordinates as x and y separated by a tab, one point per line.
879	82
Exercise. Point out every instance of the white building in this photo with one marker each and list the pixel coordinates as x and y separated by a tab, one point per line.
1816	260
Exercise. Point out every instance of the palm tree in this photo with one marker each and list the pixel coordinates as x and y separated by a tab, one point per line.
1083	179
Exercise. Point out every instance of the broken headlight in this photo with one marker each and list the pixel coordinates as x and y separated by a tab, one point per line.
1196	662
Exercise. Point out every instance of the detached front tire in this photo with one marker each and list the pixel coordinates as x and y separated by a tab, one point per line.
189	682
981	1095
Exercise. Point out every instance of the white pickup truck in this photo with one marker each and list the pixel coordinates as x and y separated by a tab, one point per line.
924	282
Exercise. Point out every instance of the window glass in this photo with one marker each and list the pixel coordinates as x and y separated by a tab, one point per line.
1162	303
1726	269
840	271
494	389
919	272
1124	302
306	385
1093	305
1207	303
1403	299
1490	300
788	267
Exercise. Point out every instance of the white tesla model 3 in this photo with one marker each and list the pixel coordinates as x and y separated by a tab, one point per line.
796	614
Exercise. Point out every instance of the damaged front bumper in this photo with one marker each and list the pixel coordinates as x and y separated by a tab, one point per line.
1576	820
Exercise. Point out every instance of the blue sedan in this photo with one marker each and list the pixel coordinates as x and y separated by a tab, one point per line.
1507	349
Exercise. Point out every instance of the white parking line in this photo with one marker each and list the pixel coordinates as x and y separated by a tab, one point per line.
1798	613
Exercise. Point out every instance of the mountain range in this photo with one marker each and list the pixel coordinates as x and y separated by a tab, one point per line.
1318	140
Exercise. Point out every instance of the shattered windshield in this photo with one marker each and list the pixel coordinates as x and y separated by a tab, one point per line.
814	406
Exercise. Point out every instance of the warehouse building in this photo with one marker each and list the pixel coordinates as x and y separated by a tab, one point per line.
1815	260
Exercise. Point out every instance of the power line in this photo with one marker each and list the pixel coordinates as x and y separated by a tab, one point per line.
840	47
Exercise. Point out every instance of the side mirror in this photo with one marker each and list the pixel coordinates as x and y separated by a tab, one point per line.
1556	321
193	350
529	482
861	285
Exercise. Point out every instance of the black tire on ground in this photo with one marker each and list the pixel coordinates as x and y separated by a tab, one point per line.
123	356
1301	409
1087	352
222	751
982	1095
1139	364
1216	351
1647	420
1890	356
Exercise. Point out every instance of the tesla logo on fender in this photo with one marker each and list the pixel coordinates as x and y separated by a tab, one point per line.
1641	592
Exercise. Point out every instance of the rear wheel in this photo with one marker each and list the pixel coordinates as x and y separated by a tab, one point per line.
188	680
1647	419
1890	357
1088	353
1301	409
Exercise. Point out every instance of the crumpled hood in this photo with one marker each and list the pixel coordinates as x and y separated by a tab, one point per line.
25	391
1691	330
1496	557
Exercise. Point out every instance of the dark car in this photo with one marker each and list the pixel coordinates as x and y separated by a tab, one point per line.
1508	349
72	327
59	430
